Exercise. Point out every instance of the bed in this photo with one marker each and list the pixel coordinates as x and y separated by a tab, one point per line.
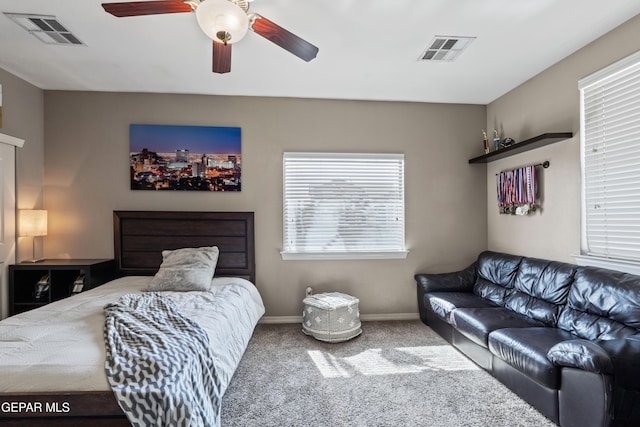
52	359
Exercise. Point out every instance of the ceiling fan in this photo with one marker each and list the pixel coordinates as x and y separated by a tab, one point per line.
223	21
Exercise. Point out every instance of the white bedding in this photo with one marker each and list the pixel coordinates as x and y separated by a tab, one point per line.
60	347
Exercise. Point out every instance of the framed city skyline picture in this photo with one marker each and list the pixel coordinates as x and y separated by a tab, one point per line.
185	158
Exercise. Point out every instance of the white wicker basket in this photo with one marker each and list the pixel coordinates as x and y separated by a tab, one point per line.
331	317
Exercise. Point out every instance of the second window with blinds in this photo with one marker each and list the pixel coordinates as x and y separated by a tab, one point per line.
610	137
343	206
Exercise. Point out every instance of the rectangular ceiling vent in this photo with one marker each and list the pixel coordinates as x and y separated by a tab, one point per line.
445	48
46	28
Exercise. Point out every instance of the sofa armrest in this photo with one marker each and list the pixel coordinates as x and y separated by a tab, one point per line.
625	354
460	281
581	354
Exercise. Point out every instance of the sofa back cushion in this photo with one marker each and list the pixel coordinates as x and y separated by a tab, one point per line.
496	273
602	305
540	289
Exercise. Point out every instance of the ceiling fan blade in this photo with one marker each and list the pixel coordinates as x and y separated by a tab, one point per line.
221	58
283	38
137	8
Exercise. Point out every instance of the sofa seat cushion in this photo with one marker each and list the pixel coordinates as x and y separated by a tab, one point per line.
477	323
443	303
526	350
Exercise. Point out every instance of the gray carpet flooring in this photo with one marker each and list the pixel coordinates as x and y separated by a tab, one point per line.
397	373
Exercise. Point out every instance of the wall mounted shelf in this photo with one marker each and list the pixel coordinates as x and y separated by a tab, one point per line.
521	147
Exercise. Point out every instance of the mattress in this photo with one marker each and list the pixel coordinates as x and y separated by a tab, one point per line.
60	347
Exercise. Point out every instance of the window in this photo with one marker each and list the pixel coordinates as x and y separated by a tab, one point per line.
610	138
347	206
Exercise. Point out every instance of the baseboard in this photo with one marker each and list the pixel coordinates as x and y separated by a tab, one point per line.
363	317
390	316
280	319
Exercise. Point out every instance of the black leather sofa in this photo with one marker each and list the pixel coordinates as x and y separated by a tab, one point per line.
565	338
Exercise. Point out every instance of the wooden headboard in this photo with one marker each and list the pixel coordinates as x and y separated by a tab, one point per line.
141	236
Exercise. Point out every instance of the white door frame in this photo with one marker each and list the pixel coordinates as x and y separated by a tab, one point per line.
9	227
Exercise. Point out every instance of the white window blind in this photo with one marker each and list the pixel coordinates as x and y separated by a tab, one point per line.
610	121
339	205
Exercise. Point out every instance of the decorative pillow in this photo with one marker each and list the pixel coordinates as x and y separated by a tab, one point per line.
186	269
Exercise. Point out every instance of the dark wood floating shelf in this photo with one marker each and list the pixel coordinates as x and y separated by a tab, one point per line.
521	147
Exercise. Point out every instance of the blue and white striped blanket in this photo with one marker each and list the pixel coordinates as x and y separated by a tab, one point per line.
159	363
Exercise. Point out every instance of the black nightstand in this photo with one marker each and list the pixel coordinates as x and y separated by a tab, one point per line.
58	278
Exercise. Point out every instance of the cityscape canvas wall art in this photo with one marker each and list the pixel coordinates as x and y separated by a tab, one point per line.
185	158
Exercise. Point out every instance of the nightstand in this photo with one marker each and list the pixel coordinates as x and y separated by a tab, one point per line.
34	284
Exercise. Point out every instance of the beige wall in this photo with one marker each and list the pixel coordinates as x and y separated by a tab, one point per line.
23	117
549	102
87	177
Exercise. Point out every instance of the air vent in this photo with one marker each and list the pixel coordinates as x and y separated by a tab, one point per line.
445	48
46	28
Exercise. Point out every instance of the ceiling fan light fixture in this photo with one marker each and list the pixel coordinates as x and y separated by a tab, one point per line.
222	21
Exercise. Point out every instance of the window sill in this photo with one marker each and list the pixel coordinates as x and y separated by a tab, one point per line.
610	263
287	256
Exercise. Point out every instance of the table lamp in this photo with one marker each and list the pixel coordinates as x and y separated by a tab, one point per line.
32	223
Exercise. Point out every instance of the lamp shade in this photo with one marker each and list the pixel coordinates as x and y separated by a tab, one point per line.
222	21
32	223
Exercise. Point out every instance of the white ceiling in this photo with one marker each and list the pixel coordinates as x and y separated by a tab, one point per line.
368	49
